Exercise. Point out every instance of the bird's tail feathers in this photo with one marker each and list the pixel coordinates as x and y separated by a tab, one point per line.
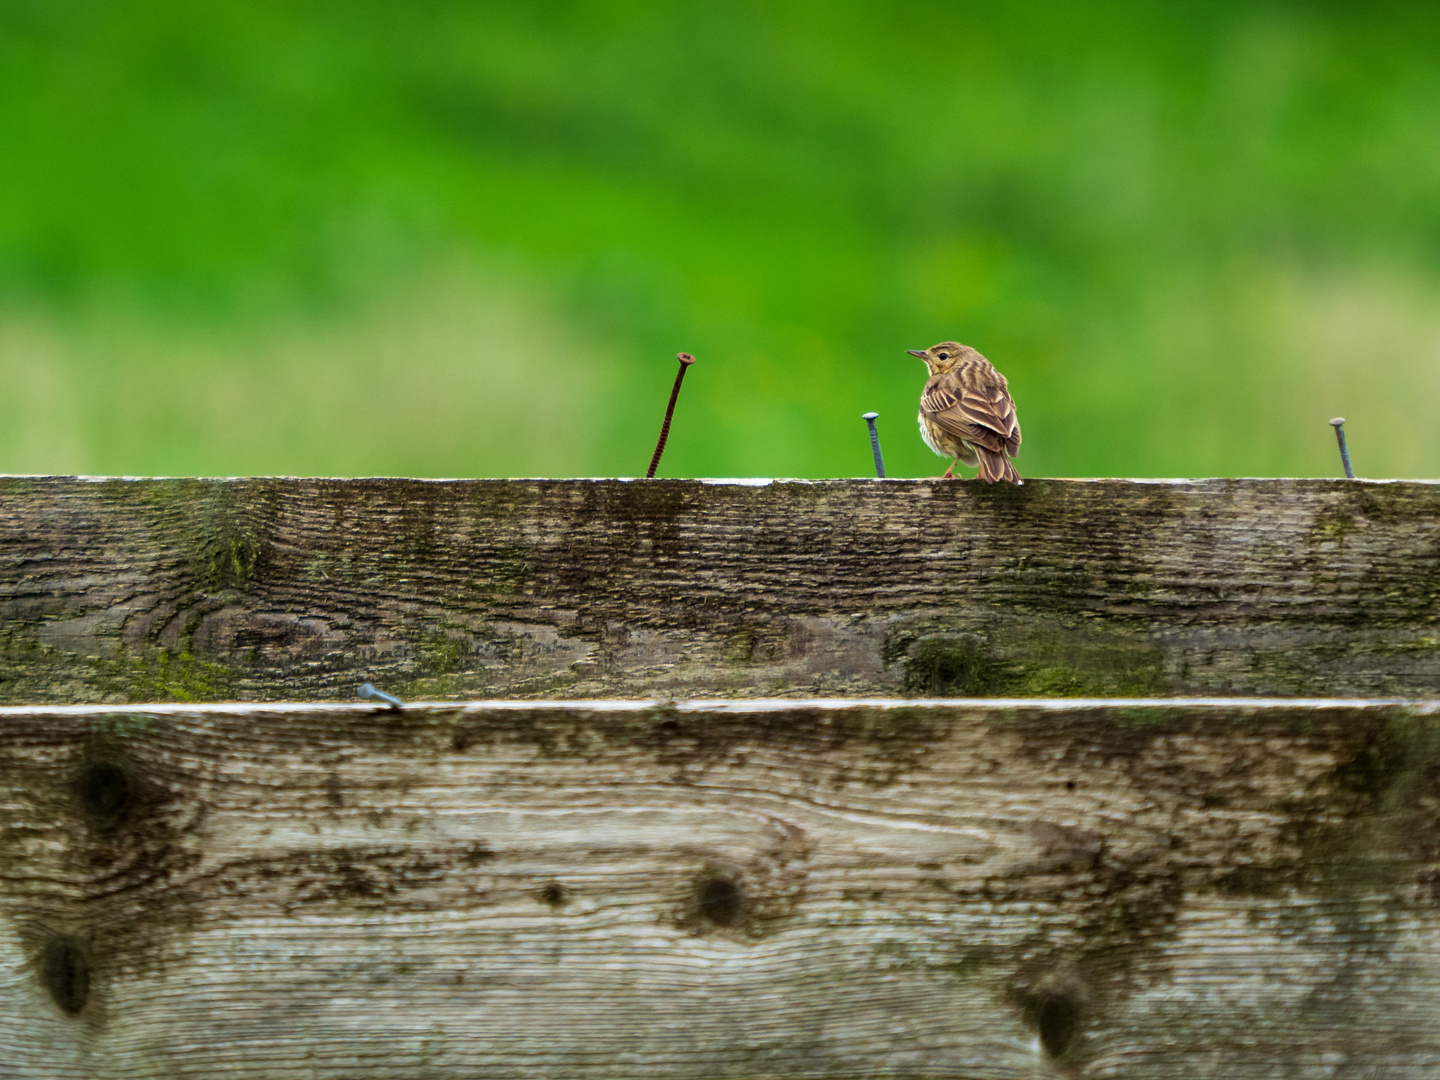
994	465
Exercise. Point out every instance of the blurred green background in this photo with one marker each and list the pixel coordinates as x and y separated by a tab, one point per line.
467	239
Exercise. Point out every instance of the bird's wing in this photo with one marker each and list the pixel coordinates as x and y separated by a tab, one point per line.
974	405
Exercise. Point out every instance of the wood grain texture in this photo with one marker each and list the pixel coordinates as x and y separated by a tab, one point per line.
1137	889
143	590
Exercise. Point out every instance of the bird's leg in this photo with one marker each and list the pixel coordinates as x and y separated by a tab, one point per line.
950	472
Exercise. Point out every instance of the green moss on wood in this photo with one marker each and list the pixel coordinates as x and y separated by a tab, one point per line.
162	674
1058	664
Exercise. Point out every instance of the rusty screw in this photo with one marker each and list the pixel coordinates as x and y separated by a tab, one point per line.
1339	425
685	361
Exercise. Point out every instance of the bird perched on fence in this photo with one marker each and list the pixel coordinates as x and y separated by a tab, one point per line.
966	412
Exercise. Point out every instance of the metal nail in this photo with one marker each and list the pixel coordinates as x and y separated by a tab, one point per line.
367	690
1339	425
869	418
685	361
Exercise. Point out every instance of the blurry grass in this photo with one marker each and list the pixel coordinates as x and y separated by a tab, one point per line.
459	366
467	239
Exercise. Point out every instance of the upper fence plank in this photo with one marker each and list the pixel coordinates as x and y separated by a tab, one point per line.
274	589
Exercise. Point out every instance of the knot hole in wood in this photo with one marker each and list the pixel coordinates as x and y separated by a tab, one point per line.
1056	1017
105	794
65	970
720	901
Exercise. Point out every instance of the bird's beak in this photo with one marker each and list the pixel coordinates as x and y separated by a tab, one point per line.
917	352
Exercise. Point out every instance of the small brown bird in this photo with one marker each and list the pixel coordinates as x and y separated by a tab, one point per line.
966	411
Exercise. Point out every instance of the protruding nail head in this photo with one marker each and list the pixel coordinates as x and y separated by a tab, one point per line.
869	419
685	361
1339	425
367	690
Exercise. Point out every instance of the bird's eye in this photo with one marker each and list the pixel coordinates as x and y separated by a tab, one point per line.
944	356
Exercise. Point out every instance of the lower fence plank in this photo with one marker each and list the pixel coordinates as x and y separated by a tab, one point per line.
1178	888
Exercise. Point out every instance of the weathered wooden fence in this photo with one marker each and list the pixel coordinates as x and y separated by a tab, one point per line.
1101	887
123	590
1007	889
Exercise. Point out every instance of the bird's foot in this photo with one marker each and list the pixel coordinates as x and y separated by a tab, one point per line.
949	473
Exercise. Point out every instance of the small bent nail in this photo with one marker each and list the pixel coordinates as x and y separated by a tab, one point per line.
869	419
367	690
1339	425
